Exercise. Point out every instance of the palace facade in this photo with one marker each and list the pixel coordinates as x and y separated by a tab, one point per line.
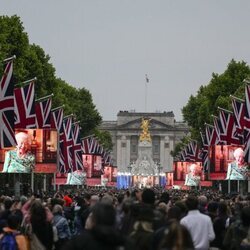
126	130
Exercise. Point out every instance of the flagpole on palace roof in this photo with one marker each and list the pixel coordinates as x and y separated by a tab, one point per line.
236	98
60	107
9	59
146	91
45	97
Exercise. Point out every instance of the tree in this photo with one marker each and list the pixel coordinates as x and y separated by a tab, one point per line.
216	94
31	61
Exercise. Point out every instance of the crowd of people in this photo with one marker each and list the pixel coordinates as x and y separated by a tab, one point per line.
126	219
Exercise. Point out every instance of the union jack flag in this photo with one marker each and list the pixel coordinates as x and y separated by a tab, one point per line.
229	135
204	151
247	125
219	130
94	146
7	135
56	118
43	111
66	144
25	116
106	158
194	151
76	149
239	109
87	144
211	135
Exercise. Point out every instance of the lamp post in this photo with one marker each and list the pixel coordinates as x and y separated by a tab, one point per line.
130	177
159	172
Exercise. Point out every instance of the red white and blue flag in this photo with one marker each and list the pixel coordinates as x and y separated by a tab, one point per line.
43	111
239	109
204	151
77	160
247	125
66	144
87	145
229	135
56	118
7	135
25	116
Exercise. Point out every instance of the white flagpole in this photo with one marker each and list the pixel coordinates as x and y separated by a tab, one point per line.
146	91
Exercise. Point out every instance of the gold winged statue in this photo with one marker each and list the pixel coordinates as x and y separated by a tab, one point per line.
145	135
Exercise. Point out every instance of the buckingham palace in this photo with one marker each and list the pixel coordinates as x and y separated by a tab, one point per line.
165	132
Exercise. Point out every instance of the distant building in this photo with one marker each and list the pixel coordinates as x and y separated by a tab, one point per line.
125	131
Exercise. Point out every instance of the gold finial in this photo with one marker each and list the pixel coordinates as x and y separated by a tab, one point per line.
145	135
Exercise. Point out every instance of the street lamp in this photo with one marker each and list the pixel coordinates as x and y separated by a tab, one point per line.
130	177
159	172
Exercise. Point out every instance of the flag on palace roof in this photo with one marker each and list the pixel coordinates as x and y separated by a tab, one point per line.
7	135
25	116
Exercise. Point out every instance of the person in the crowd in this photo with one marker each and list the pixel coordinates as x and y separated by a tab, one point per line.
62	227
203	203
100	231
7	203
220	223
20	160
238	169
238	231
13	224
39	229
212	209
142	234
199	225
173	215
177	237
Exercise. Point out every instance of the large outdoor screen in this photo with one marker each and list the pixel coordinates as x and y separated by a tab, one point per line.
189	172
36	151
76	178
92	165
227	163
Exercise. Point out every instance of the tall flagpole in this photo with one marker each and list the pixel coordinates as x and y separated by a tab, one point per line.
146	91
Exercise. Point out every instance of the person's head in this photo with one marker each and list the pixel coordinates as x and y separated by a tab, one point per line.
177	237
148	196
102	214
192	202
57	209
174	213
245	216
22	140
14	221
202	200
222	208
239	156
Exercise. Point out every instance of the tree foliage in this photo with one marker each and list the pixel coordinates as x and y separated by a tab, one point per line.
31	61
216	94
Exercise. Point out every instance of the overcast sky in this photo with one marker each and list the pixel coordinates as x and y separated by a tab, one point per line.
107	46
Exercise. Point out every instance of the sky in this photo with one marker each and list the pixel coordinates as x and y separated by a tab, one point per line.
107	46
